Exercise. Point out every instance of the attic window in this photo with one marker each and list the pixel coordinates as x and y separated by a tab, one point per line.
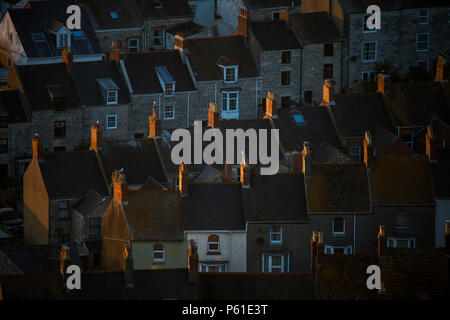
299	120
56	95
109	90
230	69
63	40
114	15
166	80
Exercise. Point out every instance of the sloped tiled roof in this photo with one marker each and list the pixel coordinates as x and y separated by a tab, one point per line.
205	52
168	8
399	180
279	197
128	15
274	35
316	27
154	215
213	206
385	142
419	273
338	187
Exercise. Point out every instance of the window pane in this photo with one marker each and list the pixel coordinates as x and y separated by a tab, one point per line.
276	260
338	225
402	243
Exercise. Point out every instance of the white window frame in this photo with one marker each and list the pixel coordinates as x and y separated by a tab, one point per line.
338	233
110	102
163	251
271	266
359	152
136	46
226	96
109	116
419	61
376	53
235	74
422	17
161	37
165	113
213	242
411	242
222	267
365	16
271	233
330	249
428	42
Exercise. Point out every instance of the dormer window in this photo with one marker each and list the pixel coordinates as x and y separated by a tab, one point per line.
62	34
114	15
166	80
230	69
56	95
109	90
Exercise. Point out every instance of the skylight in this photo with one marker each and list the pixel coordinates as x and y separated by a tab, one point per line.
114	15
299	120
78	34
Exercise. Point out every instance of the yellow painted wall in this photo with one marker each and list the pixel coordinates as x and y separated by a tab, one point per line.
175	255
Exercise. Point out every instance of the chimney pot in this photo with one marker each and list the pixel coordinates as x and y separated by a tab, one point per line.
114	51
243	21
64	260
67	57
440	67
313	254
178	41
128	266
430	144
96	137
192	261
228	171
213	116
296	162
245	173
38	152
368	150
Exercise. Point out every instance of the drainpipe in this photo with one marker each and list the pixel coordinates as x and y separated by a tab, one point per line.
229	248
301	75
354	232
215	90
189	94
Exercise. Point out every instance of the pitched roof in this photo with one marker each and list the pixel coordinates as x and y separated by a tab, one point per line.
338	187
315	128
274	35
419	273
72	174
188	28
141	71
100	13
204	54
416	103
34	19
441	172
356	113
359	6
279	197
399	180
269	4
329	153
92	202
255	286
54	74
12	106
167	9
139	159
213	206
88	73
154	215
315	27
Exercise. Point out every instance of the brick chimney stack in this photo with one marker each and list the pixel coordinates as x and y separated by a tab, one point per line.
245	173
382	243
384	83
320	248
328	92
447	238
296	162
114	51
228	171
183	179
178	41
213	116
440	67
96	137
154	123
314	240
284	16
120	186
67	57
271	106
243	21
38	151
128	266
430	143
64	262
368	150
307	162
192	261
